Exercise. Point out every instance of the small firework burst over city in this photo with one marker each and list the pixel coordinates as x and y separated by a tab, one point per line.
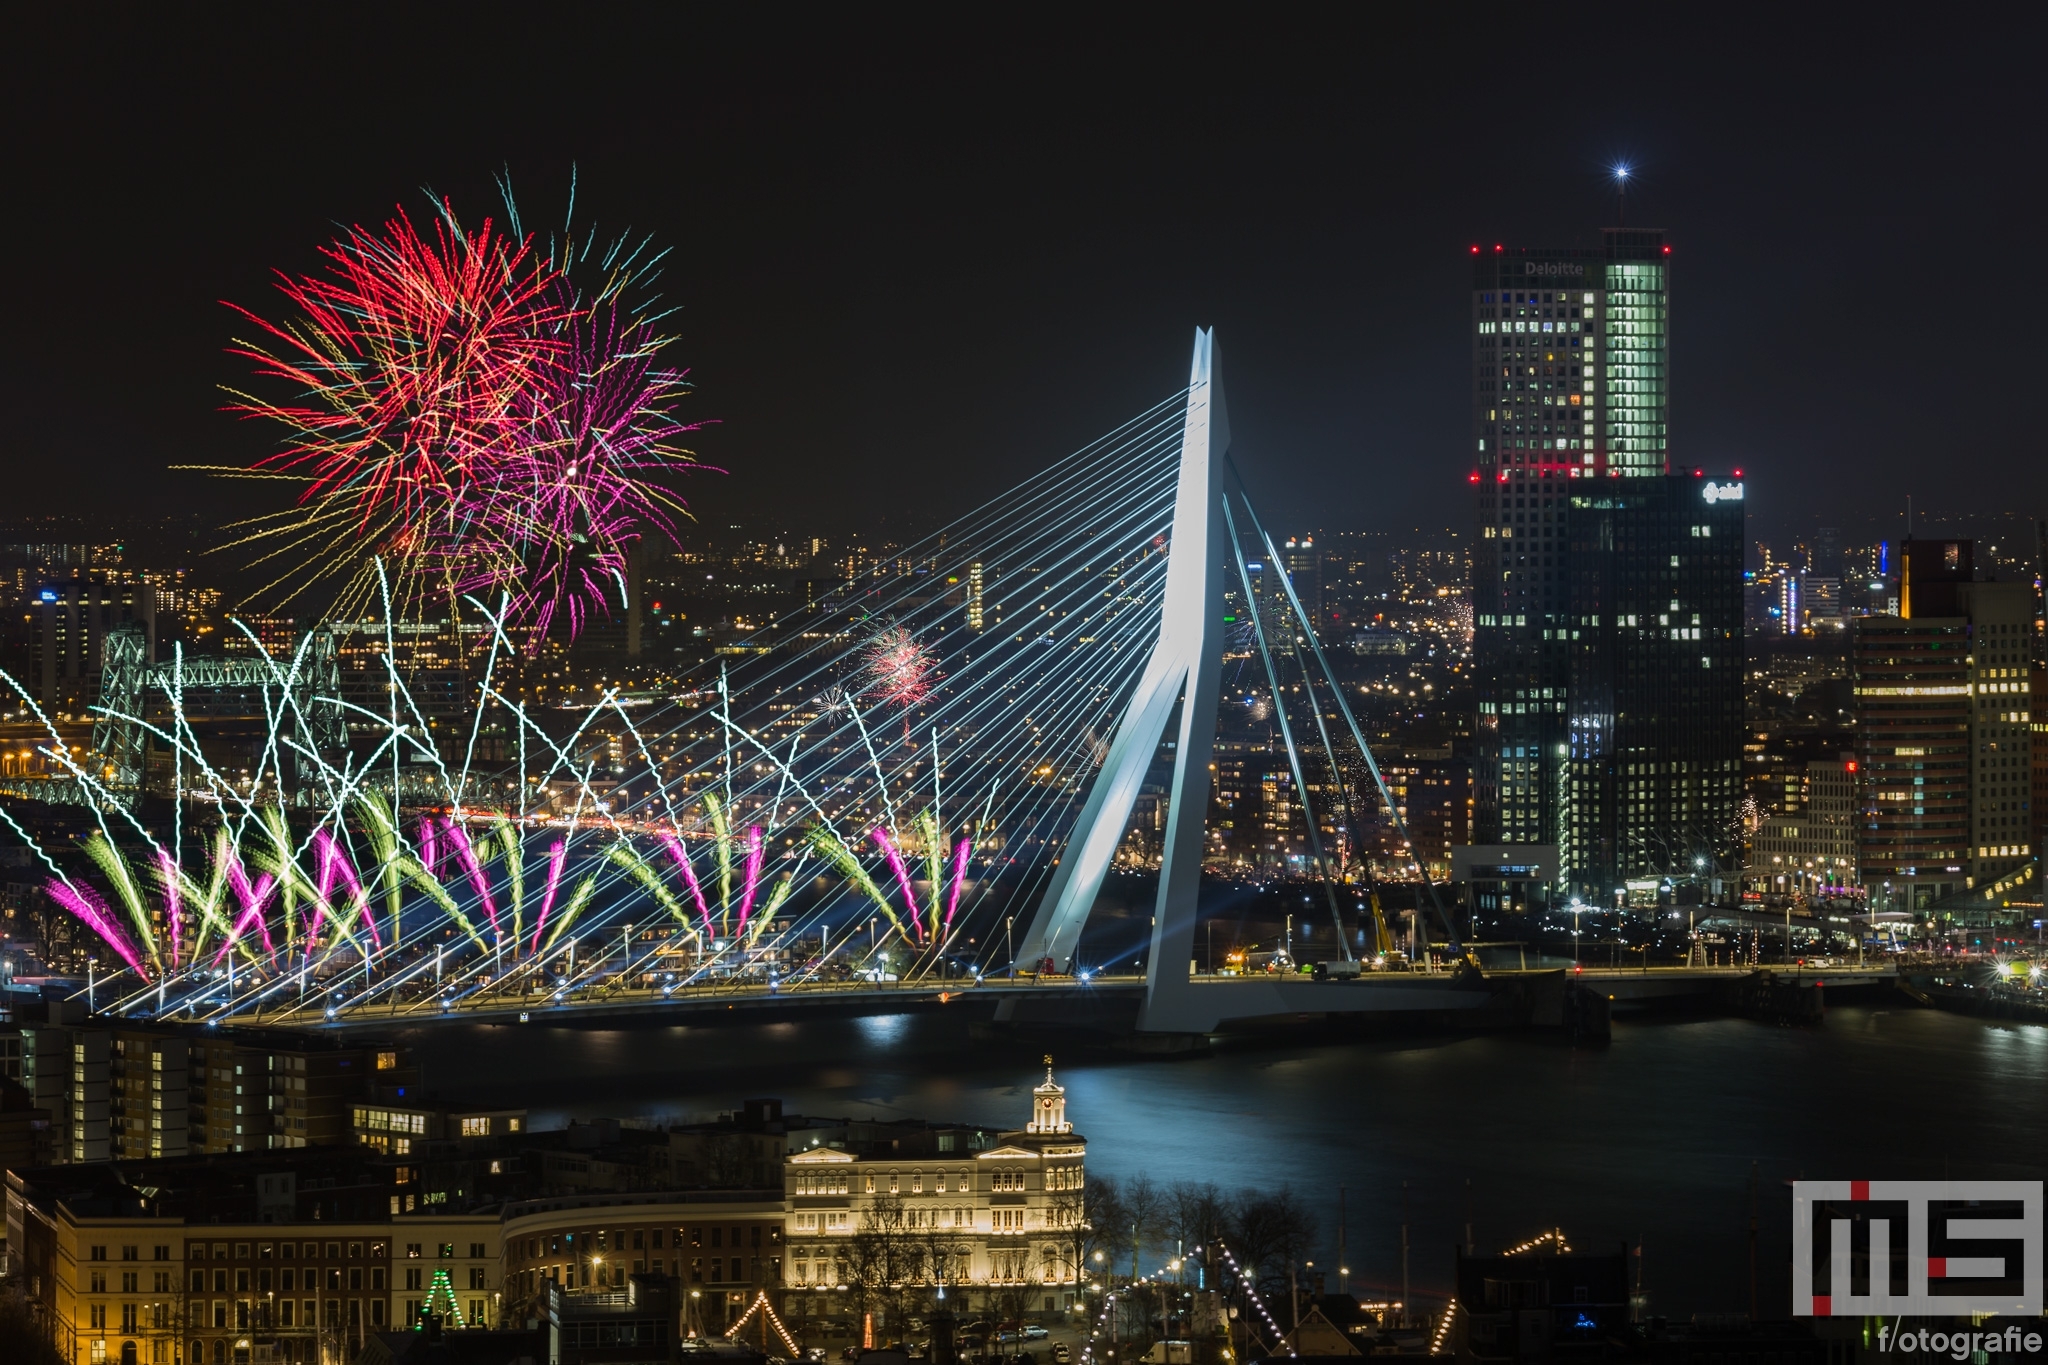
899	669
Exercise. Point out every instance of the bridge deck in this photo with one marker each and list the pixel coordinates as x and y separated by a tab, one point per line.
1204	1004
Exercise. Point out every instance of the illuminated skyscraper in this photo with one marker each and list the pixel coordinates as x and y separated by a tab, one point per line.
1944	719
1606	585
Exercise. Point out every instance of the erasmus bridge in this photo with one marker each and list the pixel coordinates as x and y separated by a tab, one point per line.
911	795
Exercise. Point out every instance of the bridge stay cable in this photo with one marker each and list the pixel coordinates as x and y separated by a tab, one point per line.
1351	721
1095	634
1325	873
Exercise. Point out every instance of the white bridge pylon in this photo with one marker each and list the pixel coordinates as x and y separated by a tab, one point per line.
1186	663
1184	669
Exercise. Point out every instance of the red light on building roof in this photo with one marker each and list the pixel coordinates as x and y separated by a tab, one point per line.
1698	472
1503	476
1475	250
1852	765
1667	251
1496	246
1738	473
1475	476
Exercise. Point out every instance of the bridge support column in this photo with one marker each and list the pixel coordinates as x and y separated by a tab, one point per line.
1185	667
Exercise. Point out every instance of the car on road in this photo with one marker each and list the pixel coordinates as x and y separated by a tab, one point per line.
1060	1353
1033	1332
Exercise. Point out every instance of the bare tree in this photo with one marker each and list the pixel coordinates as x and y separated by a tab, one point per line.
1079	1219
875	1263
1112	1221
1269	1233
1010	1302
1196	1213
1144	1209
944	1260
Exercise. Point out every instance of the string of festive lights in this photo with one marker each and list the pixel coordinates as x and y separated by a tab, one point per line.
1555	1235
1443	1329
1251	1293
442	1287
763	1308
1109	1301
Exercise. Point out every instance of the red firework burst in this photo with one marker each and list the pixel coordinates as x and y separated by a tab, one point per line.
408	360
467	414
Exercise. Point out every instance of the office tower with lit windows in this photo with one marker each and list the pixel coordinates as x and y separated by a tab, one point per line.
1607	587
1944	730
75	615
1300	568
1304	565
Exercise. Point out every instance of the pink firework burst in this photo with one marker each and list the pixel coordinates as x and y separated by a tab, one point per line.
555	521
900	671
463	410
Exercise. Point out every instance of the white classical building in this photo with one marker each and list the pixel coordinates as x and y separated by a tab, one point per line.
1002	1208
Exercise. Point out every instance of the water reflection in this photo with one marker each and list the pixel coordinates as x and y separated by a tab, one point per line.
1652	1137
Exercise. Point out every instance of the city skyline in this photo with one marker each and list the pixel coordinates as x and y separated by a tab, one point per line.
682	561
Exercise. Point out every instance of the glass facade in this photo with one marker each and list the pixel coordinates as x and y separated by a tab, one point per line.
1654	783
1606	589
1635	404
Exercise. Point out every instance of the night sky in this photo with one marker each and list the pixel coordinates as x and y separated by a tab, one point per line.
917	257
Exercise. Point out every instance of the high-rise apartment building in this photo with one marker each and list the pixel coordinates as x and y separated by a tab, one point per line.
126	1092
1944	725
1606	586
74	617
1304	566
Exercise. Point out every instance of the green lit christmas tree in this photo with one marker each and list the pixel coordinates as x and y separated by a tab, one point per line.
442	1287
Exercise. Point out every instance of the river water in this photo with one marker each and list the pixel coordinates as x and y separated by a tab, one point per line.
1650	1138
